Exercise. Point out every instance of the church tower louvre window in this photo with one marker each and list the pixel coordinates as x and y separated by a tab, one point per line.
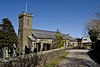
27	22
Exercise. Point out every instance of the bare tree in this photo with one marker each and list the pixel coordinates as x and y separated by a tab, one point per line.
93	28
93	25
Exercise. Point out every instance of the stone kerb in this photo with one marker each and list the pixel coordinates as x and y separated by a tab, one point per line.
38	59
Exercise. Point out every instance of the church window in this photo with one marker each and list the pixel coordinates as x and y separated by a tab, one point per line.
27	22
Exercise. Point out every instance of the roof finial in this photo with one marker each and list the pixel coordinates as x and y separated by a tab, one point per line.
26	7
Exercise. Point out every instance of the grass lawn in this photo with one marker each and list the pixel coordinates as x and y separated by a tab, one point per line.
56	60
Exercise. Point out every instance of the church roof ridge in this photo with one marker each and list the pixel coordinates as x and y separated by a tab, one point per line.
44	30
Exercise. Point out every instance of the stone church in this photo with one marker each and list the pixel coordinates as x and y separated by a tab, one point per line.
33	38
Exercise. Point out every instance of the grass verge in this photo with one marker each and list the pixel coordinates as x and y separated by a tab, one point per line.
56	60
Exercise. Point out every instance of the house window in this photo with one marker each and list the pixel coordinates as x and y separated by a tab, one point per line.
27	22
84	39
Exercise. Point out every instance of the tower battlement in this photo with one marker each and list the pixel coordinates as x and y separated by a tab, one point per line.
24	14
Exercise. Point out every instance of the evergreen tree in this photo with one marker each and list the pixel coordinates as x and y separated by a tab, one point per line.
8	36
9	29
2	37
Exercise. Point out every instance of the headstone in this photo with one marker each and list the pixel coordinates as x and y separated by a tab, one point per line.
99	36
5	52
14	50
14	53
1	53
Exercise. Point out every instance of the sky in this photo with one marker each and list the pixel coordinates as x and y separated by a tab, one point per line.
69	16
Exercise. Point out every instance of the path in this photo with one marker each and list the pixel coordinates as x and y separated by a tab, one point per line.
78	58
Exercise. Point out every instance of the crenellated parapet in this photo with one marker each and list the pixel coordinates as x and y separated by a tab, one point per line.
25	14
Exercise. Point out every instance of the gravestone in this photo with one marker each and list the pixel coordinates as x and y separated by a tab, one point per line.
14	50
1	53
5	52
99	36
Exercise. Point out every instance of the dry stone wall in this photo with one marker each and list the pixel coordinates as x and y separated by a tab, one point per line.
32	60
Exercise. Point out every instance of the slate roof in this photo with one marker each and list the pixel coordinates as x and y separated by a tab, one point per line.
70	38
42	34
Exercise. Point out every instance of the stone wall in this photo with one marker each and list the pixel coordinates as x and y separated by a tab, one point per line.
32	60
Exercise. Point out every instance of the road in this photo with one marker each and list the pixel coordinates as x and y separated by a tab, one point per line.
78	58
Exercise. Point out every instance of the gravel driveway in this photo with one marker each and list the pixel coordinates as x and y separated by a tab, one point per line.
78	58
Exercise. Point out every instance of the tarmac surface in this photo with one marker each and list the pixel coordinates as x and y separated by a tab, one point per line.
78	58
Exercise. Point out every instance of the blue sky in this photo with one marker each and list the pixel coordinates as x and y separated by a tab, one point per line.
69	16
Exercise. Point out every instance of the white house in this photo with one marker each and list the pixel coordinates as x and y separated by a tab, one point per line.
86	41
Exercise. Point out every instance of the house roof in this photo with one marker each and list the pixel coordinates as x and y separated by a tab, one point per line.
42	34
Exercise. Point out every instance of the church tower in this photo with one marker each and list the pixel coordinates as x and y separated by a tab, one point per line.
25	30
